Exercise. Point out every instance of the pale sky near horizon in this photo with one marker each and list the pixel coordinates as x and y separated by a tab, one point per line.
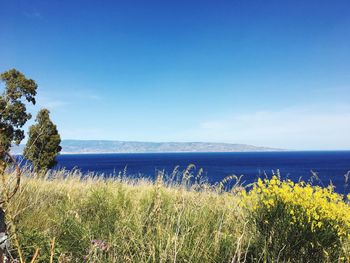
267	73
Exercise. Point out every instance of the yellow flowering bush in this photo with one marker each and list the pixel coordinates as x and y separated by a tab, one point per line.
298	221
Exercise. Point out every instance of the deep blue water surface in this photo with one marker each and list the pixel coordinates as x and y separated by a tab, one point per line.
330	166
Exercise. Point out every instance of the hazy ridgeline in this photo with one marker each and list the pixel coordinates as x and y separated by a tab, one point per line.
178	218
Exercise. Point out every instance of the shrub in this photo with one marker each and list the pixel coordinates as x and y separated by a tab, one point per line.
297	221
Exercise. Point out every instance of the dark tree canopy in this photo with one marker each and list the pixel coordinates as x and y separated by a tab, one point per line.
13	112
43	143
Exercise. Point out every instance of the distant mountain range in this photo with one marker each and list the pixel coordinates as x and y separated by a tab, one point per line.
104	146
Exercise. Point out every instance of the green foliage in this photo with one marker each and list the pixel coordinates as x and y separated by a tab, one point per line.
44	142
121	220
13	113
289	217
31	240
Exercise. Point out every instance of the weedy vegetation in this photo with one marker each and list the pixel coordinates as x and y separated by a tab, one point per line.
64	216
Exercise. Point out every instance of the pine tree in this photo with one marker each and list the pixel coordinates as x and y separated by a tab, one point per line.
13	112
43	143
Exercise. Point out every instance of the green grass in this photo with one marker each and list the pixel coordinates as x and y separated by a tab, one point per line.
124	220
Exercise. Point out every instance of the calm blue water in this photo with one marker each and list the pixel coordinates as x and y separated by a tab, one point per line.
330	166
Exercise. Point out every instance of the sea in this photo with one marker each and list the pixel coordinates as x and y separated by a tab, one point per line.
319	167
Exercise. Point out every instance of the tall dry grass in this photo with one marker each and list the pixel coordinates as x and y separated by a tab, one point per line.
121	220
68	217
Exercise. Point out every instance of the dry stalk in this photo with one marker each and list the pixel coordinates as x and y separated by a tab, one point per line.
52	252
36	254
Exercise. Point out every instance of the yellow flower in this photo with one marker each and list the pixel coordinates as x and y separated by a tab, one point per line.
308	206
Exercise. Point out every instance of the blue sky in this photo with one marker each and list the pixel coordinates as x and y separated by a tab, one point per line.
269	73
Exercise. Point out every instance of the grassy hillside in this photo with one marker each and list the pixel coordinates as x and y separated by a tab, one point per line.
71	219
